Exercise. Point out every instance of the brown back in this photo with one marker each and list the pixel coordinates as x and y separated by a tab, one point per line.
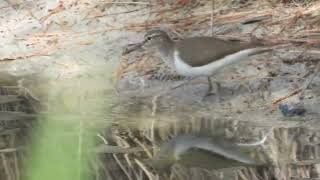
199	51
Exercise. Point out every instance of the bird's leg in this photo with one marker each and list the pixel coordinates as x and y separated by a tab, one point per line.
218	91
210	86
208	93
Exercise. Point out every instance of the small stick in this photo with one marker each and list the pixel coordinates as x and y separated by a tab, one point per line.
301	89
139	3
287	96
211	19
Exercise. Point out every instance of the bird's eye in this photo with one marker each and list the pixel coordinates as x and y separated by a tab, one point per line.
149	38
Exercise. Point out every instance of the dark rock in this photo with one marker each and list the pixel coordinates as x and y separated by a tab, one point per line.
290	110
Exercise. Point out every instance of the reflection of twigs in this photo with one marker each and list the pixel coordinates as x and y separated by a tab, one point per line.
9	150
6	167
144	168
122	167
154	110
16	166
27	91
154	105
149	154
117	149
306	162
130	166
258	143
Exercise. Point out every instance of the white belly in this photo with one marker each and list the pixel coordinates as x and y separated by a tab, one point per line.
207	70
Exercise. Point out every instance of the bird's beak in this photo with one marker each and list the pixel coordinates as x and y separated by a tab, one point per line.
132	47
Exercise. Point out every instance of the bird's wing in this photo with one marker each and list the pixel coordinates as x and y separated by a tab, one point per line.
195	51
206	159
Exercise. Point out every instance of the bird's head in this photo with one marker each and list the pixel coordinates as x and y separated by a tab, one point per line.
156	39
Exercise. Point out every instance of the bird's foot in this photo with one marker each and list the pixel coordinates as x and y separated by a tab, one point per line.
216	94
209	93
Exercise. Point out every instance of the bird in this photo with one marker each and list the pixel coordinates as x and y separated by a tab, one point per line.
201	151
200	56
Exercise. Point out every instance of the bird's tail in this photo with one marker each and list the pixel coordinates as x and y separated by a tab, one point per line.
261	50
